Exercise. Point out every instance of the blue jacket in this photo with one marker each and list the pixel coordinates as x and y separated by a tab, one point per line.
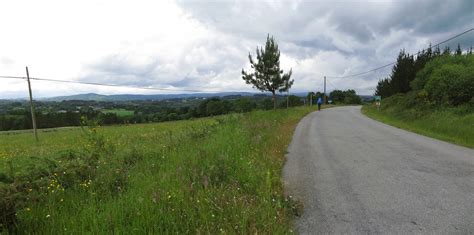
320	101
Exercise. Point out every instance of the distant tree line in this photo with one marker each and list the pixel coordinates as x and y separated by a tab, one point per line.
336	97
16	115
442	77
345	97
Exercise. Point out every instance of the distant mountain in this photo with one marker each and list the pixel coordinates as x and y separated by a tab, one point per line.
127	97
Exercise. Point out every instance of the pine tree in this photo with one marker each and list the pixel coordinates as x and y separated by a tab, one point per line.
267	75
403	73
437	52
447	51
458	50
384	88
429	52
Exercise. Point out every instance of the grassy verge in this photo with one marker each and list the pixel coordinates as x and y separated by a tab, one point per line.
449	124
213	175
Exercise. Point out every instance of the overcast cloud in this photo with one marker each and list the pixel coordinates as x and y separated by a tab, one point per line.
204	44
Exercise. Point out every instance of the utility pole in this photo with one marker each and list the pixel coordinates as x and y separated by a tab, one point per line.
32	105
287	95
325	101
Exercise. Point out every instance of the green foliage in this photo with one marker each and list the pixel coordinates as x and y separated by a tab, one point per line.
41	177
245	105
292	101
403	72
212	175
442	78
448	80
412	112
15	116
266	104
345	97
267	75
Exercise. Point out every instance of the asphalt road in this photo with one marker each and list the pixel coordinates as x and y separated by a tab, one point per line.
357	175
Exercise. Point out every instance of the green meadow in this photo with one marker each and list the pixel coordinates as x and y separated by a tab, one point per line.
212	175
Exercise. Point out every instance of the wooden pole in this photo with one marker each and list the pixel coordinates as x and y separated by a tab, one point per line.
324	96
32	105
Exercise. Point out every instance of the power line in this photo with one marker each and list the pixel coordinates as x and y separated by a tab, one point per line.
330	83
383	66
194	90
104	84
13	77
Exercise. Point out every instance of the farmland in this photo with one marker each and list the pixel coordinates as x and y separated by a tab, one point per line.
209	175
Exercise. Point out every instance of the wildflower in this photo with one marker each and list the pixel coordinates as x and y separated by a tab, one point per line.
28	209
48	215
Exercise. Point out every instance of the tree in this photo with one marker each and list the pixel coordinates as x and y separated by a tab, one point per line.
458	50
245	105
447	51
267	75
350	97
266	104
293	101
337	96
384	88
403	72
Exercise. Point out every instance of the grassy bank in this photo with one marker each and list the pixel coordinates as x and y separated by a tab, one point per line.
210	175
455	124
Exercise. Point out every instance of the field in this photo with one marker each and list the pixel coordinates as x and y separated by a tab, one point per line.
120	112
455	124
210	175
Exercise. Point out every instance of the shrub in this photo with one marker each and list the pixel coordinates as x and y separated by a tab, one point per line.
447	80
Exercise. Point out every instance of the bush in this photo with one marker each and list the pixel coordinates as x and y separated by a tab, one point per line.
346	97
447	80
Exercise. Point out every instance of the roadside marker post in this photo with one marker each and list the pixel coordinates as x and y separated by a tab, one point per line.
377	101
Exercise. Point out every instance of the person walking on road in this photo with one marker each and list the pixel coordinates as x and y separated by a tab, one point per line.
320	101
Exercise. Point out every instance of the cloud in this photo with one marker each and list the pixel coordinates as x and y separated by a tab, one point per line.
204	45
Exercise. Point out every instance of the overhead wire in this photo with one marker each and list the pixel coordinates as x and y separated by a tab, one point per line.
110	85
195	90
386	65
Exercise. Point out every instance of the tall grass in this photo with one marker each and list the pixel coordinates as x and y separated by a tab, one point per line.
452	124
213	175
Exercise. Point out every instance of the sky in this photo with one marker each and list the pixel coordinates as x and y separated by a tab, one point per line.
203	45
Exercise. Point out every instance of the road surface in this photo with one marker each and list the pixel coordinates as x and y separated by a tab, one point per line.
357	175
